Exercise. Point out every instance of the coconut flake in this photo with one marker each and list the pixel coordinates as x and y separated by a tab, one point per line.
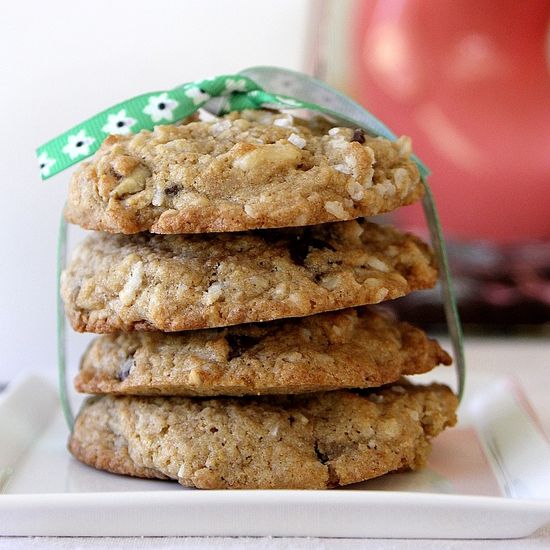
344	168
219	127
284	122
297	140
355	190
375	263
128	293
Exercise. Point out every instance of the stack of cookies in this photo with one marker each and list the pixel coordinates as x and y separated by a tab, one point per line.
230	275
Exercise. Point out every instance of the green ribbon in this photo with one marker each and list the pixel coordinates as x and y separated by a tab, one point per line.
221	94
61	330
143	112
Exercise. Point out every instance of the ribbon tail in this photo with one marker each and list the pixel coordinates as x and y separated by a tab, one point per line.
447	292
338	105
61	330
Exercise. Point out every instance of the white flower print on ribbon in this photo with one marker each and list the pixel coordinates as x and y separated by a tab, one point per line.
288	101
119	123
78	145
197	95
160	107
45	163
235	85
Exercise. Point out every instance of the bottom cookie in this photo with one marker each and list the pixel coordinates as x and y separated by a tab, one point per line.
297	442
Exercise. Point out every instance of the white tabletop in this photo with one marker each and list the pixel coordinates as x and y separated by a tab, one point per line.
538	540
527	359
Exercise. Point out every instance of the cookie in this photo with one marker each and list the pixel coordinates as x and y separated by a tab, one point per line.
182	282
249	170
296	442
345	349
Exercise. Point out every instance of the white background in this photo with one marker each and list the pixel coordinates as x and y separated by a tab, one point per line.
62	61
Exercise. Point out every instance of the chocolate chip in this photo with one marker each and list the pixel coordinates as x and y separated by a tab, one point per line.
300	246
273	236
358	135
115	174
299	249
319	244
172	190
239	344
321	457
125	368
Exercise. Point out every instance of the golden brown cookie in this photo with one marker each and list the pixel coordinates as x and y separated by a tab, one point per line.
181	282
249	170
298	442
345	349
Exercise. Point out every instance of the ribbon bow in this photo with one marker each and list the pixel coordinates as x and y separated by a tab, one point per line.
220	94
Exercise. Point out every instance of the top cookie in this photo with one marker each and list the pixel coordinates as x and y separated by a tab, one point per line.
248	170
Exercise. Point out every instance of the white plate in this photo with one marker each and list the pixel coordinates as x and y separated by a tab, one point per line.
487	478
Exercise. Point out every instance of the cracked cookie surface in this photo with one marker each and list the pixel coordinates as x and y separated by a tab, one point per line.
249	170
329	351
183	282
296	442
